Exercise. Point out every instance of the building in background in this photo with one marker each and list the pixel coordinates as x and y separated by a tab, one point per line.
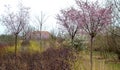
45	35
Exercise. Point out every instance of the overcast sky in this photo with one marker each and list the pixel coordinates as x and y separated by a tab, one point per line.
49	7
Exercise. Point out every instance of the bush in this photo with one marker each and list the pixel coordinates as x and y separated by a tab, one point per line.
57	59
7	40
51	59
77	44
108	43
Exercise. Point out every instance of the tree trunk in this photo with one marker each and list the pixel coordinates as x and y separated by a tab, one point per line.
119	56
72	41
40	35
16	37
40	41
118	53
91	51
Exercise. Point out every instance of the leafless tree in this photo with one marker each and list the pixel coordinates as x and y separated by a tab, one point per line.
40	20
16	21
116	14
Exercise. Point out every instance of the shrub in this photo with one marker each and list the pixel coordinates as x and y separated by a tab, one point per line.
108	43
77	44
24	45
7	39
51	59
57	59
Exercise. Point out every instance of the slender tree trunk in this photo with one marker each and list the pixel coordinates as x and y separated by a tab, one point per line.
40	35
72	41
16	38
91	51
40	39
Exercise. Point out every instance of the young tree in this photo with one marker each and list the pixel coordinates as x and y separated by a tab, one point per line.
16	21
93	18
40	20
68	19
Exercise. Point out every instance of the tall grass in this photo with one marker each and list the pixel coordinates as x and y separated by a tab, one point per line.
99	63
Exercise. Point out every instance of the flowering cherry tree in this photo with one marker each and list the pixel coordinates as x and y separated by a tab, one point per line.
90	17
68	19
93	18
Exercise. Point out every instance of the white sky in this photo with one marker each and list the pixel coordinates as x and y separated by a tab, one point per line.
49	7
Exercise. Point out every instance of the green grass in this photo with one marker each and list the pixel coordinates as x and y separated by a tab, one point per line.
12	48
34	47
